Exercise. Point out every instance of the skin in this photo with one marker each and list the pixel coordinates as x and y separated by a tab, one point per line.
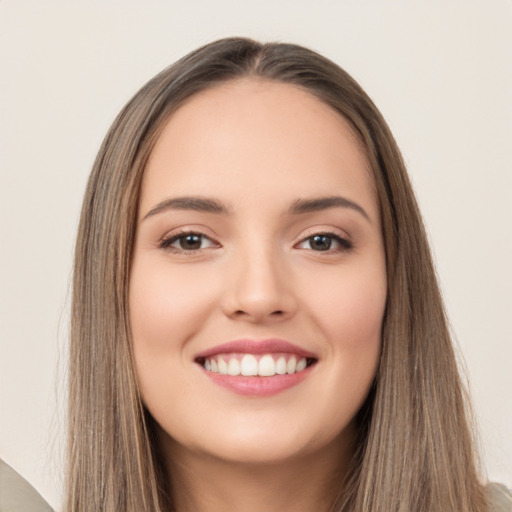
257	147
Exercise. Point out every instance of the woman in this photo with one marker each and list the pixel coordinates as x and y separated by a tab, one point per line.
256	321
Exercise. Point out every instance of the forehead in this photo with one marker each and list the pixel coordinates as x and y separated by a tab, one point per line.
255	135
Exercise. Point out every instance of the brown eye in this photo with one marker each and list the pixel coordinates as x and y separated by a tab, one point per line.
320	242
187	242
190	242
323	242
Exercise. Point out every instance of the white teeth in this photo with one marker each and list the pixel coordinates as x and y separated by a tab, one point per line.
249	365
267	366
223	367
281	366
291	365
301	365
234	367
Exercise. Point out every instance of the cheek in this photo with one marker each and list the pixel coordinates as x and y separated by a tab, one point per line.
166	310
350	309
165	306
353	323
350	316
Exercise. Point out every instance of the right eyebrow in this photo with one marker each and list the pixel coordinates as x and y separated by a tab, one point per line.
324	203
198	204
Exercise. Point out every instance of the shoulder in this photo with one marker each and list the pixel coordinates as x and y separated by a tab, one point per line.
17	494
498	497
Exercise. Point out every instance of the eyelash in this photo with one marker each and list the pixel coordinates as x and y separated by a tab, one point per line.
166	243
344	245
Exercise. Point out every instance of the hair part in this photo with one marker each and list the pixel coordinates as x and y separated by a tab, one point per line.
415	449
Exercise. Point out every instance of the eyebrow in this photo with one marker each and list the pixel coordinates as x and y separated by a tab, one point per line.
198	204
324	203
300	206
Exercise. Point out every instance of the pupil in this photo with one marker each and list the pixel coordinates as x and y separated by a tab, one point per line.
321	242
191	242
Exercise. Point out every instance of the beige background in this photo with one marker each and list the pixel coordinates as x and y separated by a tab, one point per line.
440	72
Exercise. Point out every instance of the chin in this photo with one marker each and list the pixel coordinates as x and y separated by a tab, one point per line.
256	444
265	449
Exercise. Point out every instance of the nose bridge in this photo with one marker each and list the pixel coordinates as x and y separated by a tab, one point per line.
258	287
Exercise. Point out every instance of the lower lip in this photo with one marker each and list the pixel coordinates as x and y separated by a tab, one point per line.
258	386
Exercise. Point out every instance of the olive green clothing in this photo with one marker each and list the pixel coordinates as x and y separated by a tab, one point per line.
499	498
17	495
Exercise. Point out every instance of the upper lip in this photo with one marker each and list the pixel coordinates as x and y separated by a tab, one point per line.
250	346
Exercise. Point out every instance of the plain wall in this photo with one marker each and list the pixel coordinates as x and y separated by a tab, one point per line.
441	73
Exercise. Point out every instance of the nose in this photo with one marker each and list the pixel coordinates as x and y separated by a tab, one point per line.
259	289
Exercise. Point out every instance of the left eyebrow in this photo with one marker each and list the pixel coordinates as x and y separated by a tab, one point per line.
323	203
198	204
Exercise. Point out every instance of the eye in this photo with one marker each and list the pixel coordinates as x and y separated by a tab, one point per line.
188	242
322	242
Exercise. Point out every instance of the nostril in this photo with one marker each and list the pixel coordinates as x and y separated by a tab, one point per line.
259	314
240	312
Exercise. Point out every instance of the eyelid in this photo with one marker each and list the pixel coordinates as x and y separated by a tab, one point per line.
345	242
169	238
342	239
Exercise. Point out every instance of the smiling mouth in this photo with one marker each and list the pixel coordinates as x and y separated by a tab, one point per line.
255	365
257	368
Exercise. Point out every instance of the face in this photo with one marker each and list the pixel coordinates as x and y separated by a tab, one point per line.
258	281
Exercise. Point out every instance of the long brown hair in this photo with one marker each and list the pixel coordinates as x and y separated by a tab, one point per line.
415	451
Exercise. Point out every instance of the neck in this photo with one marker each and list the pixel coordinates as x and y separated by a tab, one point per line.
309	483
